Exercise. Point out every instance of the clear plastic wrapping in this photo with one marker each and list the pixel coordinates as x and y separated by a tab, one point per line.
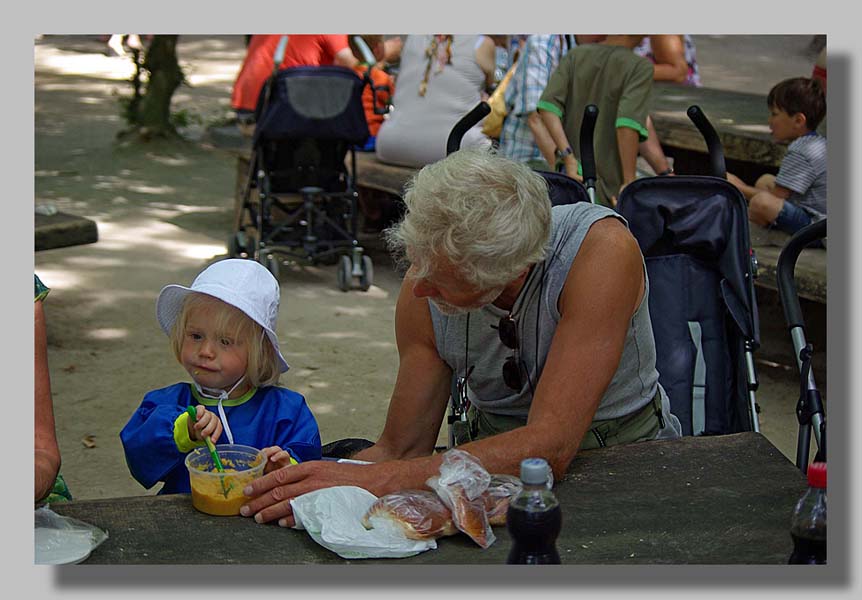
501	488
461	485
64	540
465	498
419	513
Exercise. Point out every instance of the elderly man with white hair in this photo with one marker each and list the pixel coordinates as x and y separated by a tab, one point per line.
541	312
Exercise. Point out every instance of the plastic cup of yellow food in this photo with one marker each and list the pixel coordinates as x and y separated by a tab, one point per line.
220	493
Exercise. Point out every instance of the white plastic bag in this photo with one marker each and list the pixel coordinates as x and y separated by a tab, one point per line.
333	518
62	540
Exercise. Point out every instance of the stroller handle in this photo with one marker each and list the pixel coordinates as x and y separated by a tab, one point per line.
279	53
464	124
588	159
367	54
713	144
787	264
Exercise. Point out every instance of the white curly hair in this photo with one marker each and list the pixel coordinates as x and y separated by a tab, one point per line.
488	216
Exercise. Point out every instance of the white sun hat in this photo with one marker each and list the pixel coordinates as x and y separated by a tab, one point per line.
245	284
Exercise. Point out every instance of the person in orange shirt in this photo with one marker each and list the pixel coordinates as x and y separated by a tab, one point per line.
305	50
382	81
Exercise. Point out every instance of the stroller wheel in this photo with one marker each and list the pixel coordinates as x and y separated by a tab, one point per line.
344	273
366	280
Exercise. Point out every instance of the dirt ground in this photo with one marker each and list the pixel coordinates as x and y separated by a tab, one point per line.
164	212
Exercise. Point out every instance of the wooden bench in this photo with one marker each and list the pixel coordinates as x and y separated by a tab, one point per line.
740	120
810	273
61	230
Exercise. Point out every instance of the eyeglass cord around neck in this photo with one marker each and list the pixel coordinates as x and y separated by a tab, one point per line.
520	301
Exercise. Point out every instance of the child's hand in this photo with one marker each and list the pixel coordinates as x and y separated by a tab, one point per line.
276	458
207	424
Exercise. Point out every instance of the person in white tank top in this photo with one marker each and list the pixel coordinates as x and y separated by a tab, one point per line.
440	79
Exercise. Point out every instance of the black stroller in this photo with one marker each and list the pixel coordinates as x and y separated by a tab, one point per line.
810	411
299	199
693	232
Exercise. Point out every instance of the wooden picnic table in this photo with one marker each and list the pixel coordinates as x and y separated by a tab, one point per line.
695	500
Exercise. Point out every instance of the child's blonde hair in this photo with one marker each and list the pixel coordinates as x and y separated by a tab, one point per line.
263	367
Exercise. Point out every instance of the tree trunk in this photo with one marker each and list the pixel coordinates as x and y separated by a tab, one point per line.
153	116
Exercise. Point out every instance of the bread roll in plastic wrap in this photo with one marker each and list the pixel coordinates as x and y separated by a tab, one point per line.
419	513
461	485
468	515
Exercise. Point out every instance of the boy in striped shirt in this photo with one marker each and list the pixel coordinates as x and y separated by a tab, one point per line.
796	197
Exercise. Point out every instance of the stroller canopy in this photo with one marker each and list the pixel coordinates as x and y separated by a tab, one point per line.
562	189
324	103
706	218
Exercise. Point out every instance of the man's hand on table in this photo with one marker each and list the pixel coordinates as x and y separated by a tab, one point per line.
270	496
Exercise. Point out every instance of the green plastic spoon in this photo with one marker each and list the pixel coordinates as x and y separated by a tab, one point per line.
193	413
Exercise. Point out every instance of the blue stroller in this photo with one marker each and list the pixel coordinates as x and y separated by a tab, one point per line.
299	199
693	232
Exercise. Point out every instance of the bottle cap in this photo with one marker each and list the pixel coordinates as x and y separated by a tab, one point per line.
816	474
534	471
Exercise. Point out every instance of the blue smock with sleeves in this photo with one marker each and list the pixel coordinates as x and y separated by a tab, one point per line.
267	416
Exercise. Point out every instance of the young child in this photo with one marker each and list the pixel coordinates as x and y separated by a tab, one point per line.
222	331
795	197
619	82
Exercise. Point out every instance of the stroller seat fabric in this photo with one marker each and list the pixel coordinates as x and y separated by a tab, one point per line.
324	103
693	233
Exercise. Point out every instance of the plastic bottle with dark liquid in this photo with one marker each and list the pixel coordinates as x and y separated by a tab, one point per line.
808	524
534	518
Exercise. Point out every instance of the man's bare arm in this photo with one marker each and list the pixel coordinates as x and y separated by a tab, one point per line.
421	387
602	291
669	53
345	58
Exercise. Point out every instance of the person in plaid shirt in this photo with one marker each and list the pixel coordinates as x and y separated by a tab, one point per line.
524	137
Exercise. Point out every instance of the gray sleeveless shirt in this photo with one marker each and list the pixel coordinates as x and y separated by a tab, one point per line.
536	314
